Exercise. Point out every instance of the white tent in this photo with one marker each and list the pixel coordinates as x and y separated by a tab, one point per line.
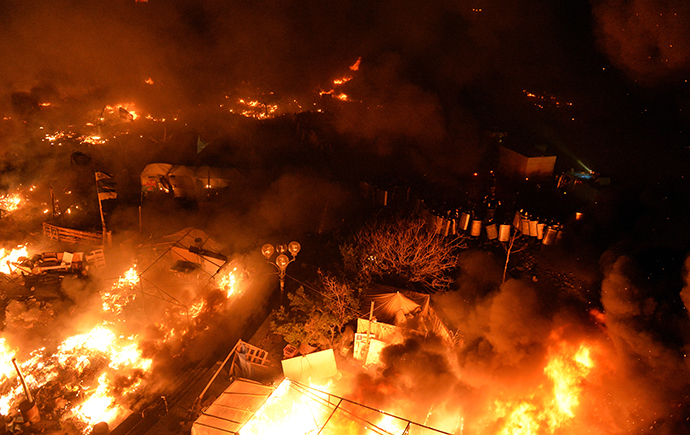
396	306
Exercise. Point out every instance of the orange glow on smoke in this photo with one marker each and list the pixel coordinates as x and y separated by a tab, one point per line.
548	409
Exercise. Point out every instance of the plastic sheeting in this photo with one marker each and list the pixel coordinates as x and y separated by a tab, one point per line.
232	409
187	181
391	304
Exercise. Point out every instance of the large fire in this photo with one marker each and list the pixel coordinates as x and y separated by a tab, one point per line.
8	257
547	409
96	375
10	201
549	406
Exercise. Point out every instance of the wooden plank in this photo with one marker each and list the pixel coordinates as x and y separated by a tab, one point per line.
69	235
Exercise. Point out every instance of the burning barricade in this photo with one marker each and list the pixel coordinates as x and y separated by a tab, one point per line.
88	358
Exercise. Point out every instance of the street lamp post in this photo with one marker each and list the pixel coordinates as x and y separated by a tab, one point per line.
281	261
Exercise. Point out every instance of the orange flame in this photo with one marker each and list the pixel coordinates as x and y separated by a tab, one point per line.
10	201
229	283
11	256
549	410
116	299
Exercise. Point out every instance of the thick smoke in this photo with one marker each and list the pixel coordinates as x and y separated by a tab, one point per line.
430	81
649	40
638	382
422	80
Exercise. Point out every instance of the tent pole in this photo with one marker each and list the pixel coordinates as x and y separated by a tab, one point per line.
100	208
371	317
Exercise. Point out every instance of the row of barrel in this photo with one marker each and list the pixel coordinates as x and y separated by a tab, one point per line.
464	223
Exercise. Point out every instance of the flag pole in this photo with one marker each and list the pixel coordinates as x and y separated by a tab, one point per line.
100	208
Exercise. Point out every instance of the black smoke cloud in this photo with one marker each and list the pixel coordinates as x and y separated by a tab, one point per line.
431	77
510	332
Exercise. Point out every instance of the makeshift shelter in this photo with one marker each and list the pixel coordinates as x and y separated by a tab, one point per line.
397	306
229	412
174	267
248	408
189	250
187	181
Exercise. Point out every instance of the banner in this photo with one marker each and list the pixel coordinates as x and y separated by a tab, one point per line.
125	114
55	206
105	186
200	144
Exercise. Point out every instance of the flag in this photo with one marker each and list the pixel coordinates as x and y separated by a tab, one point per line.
55	205
200	144
105	186
125	114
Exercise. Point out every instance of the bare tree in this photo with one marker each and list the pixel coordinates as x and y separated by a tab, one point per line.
509	247
403	248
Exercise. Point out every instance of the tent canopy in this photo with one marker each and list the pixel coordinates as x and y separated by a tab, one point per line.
192	247
247	409
187	181
395	306
391	302
232	409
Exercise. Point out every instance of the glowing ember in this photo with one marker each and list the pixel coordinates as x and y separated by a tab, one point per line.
256	109
100	356
544	100
94	140
10	201
196	308
118	297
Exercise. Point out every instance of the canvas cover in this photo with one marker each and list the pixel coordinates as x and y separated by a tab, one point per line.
299	408
229	412
186	181
396	306
191	247
314	367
